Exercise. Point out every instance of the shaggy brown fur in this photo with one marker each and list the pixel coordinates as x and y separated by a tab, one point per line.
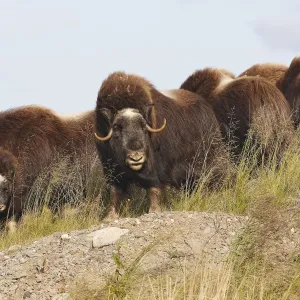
191	133
285	78
237	103
31	139
290	87
271	72
204	83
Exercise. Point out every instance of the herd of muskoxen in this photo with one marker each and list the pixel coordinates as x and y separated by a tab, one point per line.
149	137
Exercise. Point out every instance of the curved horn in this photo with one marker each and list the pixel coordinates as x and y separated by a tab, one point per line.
103	139
158	129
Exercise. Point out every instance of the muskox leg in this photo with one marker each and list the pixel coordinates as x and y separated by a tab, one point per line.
116	196
154	196
11	225
14	216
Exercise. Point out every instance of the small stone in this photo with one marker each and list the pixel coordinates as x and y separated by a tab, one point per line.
26	295
224	250
293	230
138	222
20	275
138	235
207	230
22	260
107	236
63	296
65	237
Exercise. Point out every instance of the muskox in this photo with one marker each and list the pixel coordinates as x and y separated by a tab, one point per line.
286	79
270	71
31	139
290	87
240	103
153	138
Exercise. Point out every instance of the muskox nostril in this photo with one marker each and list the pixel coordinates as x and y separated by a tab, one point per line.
136	158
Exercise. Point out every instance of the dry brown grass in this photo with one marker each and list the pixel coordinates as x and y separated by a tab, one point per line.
262	191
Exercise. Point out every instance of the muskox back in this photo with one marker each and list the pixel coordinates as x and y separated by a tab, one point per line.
37	136
270	71
242	103
192	133
285	78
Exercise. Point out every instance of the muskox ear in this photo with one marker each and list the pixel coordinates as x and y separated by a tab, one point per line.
147	113
107	115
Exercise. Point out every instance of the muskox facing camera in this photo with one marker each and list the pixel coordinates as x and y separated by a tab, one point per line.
129	138
152	138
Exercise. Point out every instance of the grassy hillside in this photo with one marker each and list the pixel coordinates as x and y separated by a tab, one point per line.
265	191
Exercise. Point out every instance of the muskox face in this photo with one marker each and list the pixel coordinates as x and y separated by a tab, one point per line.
8	164
129	138
5	190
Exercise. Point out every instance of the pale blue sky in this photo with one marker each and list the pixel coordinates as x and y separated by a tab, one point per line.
56	53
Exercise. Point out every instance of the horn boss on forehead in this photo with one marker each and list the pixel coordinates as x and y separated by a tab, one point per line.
120	91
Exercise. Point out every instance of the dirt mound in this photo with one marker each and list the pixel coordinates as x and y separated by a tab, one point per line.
49	267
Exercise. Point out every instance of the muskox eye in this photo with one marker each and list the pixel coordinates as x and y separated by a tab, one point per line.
116	127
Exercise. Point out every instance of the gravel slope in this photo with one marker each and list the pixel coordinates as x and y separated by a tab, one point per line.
47	268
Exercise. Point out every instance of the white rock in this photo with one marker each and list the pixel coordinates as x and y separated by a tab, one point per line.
107	236
65	236
207	230
293	230
22	260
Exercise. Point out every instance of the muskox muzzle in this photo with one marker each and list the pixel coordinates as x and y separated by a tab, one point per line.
2	207
135	160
